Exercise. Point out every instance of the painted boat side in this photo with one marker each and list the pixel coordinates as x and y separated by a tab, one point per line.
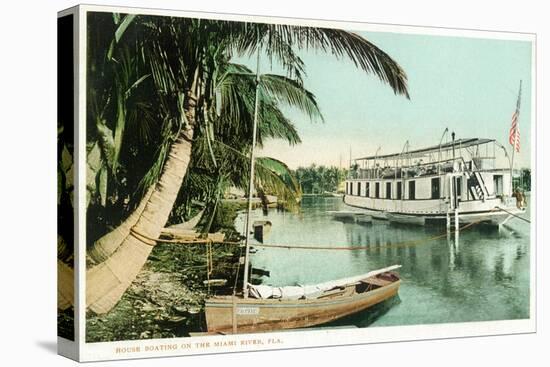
255	315
470	211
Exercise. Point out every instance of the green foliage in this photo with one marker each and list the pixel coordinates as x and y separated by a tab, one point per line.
65	192
320	179
523	182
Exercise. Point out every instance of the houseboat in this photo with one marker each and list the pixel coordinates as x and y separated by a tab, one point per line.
457	181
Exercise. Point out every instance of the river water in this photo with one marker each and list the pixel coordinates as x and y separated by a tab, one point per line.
483	276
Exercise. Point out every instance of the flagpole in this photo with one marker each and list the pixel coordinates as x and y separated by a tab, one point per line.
512	171
251	181
515	140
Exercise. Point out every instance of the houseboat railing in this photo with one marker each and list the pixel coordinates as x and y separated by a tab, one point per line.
437	167
398	159
397	170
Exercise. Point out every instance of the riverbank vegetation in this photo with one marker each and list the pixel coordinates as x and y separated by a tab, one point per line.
319	180
167	297
523	180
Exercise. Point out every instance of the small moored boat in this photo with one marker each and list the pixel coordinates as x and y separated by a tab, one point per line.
275	308
406	219
344	214
363	219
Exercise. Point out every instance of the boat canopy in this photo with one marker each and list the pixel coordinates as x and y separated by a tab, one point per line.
460	144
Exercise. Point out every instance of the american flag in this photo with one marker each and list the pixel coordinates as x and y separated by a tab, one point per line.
514	129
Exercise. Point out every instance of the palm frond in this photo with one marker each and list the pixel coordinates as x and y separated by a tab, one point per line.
277	41
288	91
153	174
122	26
128	19
282	171
237	88
361	52
272	124
270	175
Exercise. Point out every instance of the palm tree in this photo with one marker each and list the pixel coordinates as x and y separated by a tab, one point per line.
220	156
183	56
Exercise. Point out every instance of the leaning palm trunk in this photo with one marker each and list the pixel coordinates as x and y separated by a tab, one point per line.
107	281
107	245
65	285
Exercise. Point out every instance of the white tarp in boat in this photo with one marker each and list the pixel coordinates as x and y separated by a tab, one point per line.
308	291
288	292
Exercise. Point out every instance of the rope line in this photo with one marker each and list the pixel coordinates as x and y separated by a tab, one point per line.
399	244
210	242
515	215
154	241
351	248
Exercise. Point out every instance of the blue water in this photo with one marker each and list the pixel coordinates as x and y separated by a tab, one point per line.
482	276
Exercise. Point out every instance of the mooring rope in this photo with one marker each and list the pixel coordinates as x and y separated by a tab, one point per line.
514	215
351	248
398	244
209	242
199	241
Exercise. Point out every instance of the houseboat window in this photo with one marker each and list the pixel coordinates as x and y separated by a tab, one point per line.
412	190
367	187
436	183
458	186
377	190
351	188
498	184
388	190
347	188
359	189
399	193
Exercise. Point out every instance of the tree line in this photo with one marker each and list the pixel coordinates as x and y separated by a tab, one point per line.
320	179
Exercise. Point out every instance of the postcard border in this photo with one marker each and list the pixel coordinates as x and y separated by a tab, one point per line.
291	339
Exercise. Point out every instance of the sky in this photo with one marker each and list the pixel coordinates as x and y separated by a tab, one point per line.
469	85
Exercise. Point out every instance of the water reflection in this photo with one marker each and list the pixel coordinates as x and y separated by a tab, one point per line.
479	274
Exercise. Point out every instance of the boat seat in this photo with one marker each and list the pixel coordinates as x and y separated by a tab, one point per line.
376	281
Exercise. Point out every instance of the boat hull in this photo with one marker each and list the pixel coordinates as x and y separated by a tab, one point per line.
353	216
489	211
406	219
363	219
229	314
343	214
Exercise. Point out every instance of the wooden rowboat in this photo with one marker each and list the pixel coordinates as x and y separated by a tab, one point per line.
333	300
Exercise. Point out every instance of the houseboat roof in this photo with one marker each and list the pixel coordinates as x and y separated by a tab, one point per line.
460	143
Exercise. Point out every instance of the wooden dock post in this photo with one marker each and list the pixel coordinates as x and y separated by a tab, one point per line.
450	199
